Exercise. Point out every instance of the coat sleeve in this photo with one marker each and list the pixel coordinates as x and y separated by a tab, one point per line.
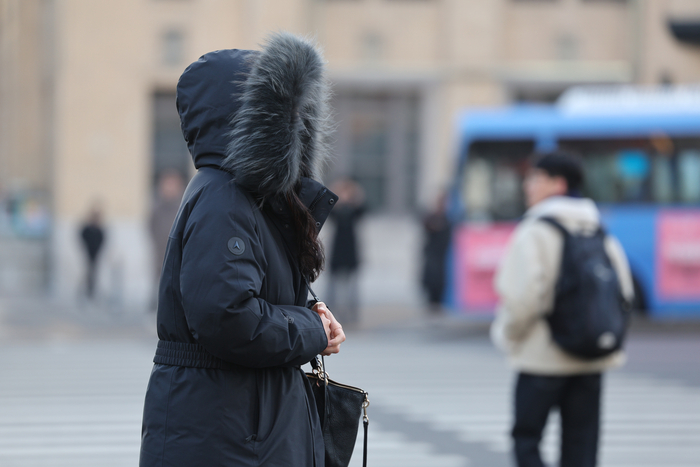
525	282
221	290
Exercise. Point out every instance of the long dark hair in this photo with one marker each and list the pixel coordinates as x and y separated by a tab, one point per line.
311	254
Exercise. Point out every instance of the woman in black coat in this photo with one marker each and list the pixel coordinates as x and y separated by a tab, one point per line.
227	388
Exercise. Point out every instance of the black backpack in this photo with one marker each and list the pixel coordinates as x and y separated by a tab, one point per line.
590	315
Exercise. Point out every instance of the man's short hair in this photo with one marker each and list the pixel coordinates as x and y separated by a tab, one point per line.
567	166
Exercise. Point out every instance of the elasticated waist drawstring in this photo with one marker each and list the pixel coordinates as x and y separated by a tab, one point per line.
189	355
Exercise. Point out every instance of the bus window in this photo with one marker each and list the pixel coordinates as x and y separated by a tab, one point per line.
626	176
600	178
616	171
633	170
476	188
662	179
636	171
689	176
491	183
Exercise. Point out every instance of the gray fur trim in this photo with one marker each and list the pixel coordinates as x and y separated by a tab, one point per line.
281	131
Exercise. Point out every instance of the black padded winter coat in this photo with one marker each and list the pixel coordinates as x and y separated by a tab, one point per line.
227	388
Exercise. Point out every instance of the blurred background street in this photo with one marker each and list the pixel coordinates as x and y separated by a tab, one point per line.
439	106
72	387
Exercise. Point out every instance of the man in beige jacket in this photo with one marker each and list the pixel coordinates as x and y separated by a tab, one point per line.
548	377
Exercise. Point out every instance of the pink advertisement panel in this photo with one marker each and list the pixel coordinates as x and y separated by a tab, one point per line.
479	251
678	255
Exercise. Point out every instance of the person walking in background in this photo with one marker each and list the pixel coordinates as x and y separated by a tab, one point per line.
92	236
227	387
548	376
438	234
343	287
163	212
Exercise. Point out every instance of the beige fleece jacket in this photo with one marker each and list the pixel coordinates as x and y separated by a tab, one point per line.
525	283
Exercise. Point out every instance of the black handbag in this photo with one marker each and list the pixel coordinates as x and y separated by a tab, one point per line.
339	407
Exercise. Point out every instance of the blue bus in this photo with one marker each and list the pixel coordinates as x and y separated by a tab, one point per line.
641	153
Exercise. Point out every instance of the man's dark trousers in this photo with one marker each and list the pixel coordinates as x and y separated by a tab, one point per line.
578	400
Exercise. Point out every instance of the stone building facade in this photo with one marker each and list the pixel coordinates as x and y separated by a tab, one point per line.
87	112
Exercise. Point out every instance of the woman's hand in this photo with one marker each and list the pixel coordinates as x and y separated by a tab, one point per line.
326	325
334	331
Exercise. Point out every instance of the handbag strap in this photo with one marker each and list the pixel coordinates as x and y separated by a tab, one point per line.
313	294
365	422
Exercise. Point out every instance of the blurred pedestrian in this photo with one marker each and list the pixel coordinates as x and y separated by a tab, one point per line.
227	388
92	236
163	212
438	234
548	376
343	287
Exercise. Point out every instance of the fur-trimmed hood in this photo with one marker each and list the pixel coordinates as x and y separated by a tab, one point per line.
264	116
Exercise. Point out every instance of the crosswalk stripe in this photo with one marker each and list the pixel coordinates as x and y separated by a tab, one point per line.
76	404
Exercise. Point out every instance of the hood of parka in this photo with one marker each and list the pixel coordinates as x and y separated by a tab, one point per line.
207	97
264	116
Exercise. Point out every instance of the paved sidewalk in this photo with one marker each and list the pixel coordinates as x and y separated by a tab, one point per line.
74	378
664	349
42	317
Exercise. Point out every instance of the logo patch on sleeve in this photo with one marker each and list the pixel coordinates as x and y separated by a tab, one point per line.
236	246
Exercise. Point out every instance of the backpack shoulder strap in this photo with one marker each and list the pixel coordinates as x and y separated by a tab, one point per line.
553	222
600	230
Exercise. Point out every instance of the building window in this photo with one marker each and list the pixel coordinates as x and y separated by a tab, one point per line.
372	46
170	152
567	47
377	145
537	93
173	47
